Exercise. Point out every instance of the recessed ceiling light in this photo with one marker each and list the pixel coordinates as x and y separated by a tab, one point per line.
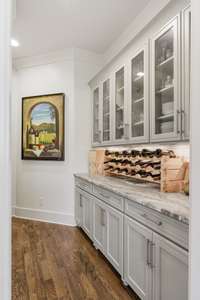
14	43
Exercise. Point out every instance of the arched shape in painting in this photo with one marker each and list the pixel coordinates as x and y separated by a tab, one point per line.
44	120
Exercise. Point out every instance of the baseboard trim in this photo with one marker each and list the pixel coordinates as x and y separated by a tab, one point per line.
13	210
44	216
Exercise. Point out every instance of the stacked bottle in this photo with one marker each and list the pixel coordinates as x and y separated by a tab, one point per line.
144	164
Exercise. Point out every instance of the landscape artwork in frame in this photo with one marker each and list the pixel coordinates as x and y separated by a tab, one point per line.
43	127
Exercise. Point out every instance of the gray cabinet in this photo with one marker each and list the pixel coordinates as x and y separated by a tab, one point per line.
99	225
78	207
170	270
140	243
186	63
138	107
108	233
83	211
96	107
146	97
137	258
165	87
114	245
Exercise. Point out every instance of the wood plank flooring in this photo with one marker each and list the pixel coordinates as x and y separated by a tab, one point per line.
59	262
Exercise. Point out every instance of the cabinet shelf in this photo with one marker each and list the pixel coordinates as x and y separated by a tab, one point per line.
165	62
165	117
138	100
138	123
138	78
165	90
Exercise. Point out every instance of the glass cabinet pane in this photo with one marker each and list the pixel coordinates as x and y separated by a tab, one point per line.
96	116
164	83
137	106
119	104
106	110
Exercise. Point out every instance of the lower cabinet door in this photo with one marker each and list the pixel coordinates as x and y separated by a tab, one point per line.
78	207
99	225
138	257
87	214
114	225
170	271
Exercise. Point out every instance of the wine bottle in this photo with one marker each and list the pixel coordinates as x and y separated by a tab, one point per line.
31	136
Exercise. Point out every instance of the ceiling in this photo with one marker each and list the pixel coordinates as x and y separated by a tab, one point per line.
42	26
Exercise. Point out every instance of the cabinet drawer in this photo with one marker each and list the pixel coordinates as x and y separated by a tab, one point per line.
109	197
83	184
166	226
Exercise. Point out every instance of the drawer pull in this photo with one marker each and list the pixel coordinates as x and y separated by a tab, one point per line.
81	201
148	252
158	223
103	217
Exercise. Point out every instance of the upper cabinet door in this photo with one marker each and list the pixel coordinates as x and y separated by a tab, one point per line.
186	67
96	117
120	109
106	137
165	100
138	106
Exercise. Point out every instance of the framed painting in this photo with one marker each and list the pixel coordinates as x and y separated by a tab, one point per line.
43	127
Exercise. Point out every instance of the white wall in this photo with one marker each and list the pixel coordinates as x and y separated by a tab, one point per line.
5	197
45	190
195	157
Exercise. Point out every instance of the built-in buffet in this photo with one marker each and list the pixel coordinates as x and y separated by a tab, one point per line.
146	98
142	232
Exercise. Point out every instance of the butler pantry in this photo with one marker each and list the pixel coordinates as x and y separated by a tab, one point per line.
100	114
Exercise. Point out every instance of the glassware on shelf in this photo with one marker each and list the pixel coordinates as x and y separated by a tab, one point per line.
164	81
137	113
96	136
106	110
119	104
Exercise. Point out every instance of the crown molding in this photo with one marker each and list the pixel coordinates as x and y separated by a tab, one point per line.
70	54
44	59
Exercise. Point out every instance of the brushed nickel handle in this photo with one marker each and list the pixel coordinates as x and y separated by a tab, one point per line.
81	201
183	122
152	254
148	253
99	136
158	223
178	116
103	221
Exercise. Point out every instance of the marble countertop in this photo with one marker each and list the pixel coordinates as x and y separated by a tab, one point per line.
174	205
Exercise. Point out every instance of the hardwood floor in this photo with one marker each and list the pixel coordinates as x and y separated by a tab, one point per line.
59	262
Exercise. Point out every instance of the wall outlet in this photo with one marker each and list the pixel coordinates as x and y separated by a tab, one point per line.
41	201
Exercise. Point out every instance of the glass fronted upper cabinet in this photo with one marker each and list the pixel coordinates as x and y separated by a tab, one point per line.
139	97
166	114
106	111
119	104
96	113
186	68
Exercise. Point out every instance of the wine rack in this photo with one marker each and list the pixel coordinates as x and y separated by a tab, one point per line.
144	165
